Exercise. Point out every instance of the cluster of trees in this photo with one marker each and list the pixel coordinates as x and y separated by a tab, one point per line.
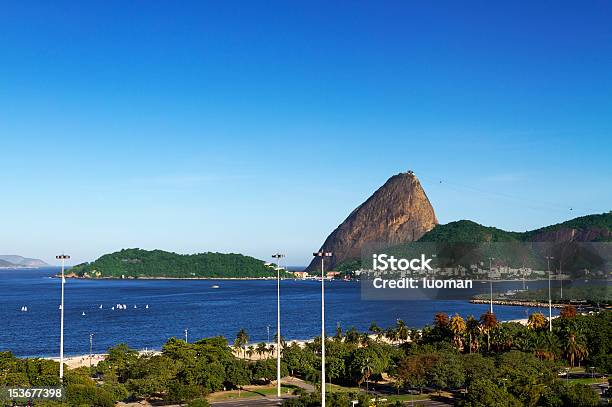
494	363
134	263
594	295
81	389
183	371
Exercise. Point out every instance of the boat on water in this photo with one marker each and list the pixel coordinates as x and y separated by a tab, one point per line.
83	314
214	286
24	309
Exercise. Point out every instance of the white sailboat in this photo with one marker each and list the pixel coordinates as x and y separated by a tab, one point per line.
83	314
147	307
100	307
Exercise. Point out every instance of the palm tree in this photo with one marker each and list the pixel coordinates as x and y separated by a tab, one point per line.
338	337
546	346
473	330
375	329
261	349
574	347
242	339
283	343
403	333
458	327
488	321
271	349
391	334
537	321
415	334
366	372
250	351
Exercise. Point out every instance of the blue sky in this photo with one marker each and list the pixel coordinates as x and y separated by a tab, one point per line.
258	126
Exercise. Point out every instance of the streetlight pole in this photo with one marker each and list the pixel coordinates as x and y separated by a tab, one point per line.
278	257
491	285
63	258
548	259
186	331
322	255
91	335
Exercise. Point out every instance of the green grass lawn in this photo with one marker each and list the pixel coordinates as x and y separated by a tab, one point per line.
390	397
250	392
588	380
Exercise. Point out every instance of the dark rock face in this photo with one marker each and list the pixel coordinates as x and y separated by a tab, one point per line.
398	212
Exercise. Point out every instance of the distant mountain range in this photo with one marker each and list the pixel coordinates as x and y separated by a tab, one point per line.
12	260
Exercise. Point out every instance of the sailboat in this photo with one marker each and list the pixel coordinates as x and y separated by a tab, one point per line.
24	309
100	307
113	308
83	314
135	306
147	307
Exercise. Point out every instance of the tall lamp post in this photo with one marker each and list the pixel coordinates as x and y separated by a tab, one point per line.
63	258
491	285
548	259
322	254
278	257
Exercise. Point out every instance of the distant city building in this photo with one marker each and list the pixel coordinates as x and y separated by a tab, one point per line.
332	274
300	274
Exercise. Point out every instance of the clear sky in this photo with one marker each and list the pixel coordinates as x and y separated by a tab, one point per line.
258	126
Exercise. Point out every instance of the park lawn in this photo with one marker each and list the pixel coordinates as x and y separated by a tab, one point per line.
407	397
250	392
334	388
588	380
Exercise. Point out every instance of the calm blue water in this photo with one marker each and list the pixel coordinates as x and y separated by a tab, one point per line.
178	304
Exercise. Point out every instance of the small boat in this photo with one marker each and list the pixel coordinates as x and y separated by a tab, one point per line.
147	307
100	306
113	308
135	306
83	314
24	309
214	286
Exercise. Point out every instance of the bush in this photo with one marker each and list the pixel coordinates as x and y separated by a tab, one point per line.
198	403
82	395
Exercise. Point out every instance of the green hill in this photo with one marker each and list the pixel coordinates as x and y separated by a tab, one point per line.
584	223
466	231
138	263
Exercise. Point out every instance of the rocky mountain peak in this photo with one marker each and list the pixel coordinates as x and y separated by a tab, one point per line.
398	212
